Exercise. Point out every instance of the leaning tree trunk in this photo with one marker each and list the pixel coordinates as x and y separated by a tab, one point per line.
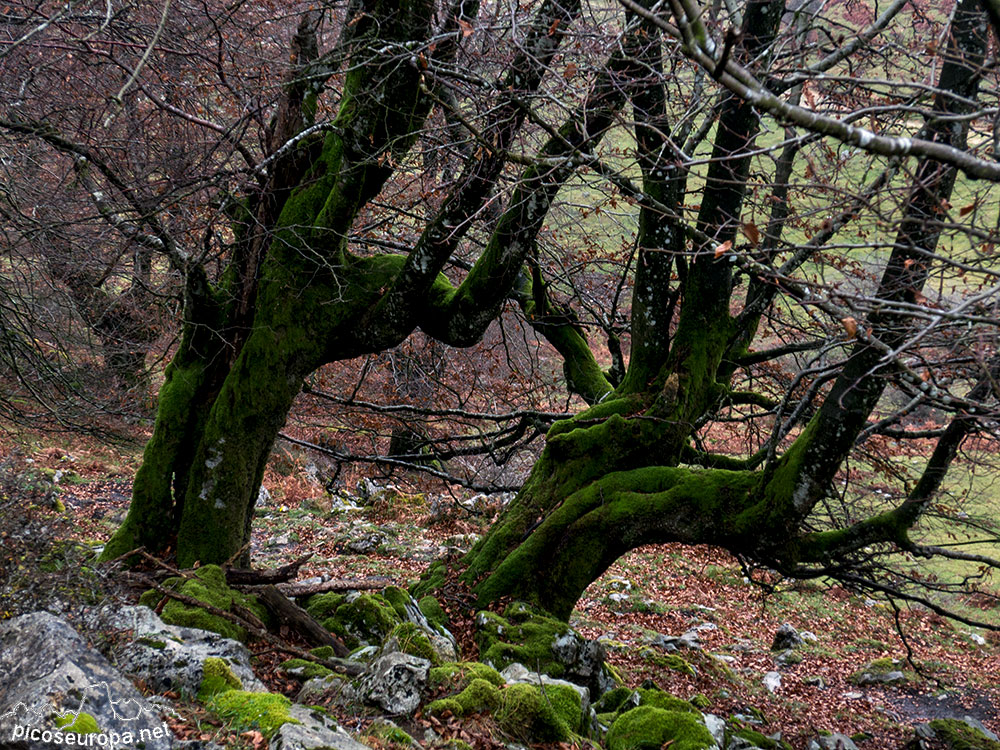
219	414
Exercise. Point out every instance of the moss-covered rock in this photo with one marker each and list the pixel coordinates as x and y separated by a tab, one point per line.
244	710
882	672
649	728
435	614
397	598
325	605
520	636
359	620
527	715
525	636
958	735
217	677
615	700
605	720
81	723
208	585
458	674
410	639
480	695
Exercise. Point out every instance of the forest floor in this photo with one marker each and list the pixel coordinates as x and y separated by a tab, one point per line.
60	500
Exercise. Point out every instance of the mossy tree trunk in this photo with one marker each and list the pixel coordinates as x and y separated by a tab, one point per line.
286	304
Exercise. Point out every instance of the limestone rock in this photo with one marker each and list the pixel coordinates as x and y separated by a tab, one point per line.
786	637
50	673
835	741
772	681
336	689
716	726
169	657
395	682
316	731
670	643
584	661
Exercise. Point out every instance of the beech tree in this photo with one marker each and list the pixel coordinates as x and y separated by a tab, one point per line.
806	233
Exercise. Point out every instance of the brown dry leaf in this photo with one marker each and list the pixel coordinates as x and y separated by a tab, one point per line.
752	233
851	326
466	27
724	248
967	209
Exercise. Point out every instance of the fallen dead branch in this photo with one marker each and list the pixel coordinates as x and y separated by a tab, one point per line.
292	615
343	584
250	577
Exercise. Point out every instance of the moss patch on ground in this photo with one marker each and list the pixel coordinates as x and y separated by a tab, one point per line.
668	661
389	734
757	739
443	706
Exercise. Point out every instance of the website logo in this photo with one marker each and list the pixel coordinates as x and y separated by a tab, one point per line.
79	728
